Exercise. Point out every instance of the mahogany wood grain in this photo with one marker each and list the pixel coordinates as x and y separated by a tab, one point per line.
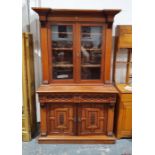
108	49
43	113
77	88
45	53
100	139
110	124
74	107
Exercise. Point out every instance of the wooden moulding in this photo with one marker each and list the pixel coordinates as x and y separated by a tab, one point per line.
77	140
49	14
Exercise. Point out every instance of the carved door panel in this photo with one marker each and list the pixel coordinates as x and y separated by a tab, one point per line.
92	119
61	119
126	124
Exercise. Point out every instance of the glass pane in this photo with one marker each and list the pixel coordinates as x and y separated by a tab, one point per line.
122	55
121	72
91	40
90	73
62	51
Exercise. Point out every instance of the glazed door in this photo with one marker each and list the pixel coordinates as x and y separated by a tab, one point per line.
77	52
91	53
62	52
92	119
61	119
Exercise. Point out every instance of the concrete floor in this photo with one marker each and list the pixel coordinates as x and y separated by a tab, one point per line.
122	147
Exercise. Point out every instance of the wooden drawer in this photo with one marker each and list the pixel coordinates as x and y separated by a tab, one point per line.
126	97
125	41
98	98
124	29
57	98
70	98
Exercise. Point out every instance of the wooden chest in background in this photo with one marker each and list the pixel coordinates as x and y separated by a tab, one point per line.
123	113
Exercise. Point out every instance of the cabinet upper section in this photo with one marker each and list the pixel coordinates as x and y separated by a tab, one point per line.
48	14
76	45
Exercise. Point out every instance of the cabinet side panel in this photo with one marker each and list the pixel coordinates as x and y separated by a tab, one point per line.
108	49
44	48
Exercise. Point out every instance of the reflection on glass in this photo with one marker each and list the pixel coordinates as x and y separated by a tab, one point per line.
90	73
62	73
61	57
91	39
121	72
62	52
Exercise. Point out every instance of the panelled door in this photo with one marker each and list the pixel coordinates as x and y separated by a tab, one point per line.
92	119
61	119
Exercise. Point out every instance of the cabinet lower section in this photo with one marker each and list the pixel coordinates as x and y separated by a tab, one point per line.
77	118
123	118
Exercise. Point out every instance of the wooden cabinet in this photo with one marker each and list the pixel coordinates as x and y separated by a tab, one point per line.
77	97
123	122
123	63
123	54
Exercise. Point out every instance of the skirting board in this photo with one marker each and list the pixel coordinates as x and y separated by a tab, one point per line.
76	139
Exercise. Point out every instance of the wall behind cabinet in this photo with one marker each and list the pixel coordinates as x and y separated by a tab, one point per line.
122	18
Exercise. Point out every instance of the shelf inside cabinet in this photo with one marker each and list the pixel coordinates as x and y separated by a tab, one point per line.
92	49
70	33
64	49
91	34
123	62
91	65
62	65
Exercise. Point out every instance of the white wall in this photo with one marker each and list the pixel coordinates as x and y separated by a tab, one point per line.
122	18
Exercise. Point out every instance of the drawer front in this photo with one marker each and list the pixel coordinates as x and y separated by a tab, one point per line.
56	98
125	41
70	98
126	97
98	98
124	30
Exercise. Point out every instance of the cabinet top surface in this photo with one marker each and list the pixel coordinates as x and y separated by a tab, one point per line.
122	88
77	89
44	9
47	11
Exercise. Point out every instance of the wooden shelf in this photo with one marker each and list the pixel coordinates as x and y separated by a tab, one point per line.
123	62
70	33
93	49
91	34
62	65
60	49
91	65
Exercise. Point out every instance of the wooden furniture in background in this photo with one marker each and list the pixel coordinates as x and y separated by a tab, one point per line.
123	114
28	88
123	49
77	98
